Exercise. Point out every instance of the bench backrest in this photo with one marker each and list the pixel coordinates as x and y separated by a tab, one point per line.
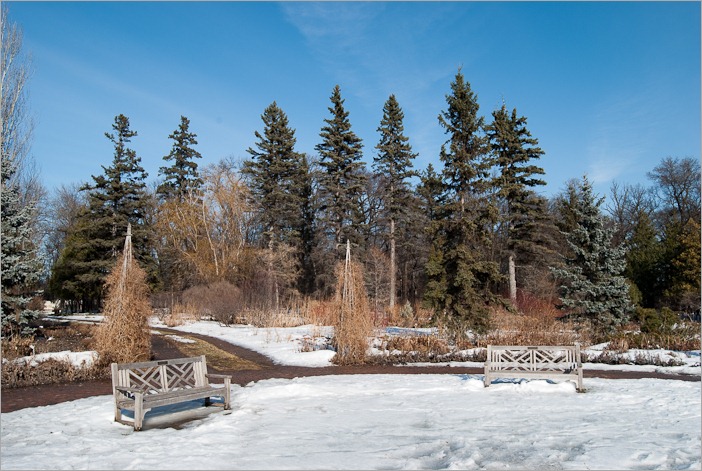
529	358
161	376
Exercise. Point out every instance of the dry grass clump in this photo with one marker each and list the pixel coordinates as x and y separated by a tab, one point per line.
179	314
15	375
16	347
124	336
321	312
406	315
535	329
686	337
291	317
354	325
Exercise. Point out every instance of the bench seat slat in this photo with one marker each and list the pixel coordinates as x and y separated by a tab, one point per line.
173	397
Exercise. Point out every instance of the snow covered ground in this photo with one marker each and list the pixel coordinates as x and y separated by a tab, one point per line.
380	422
374	422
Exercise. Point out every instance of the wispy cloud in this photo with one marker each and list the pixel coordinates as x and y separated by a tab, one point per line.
622	134
373	50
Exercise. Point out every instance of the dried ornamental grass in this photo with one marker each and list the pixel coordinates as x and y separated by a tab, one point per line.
124	336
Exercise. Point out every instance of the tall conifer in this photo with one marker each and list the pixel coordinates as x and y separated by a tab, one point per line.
182	175
460	273
115	199
525	223
281	184
342	180
394	164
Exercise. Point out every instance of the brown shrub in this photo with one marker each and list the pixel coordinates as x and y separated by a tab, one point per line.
222	301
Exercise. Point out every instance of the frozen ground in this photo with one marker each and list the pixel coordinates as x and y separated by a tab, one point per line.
380	422
374	422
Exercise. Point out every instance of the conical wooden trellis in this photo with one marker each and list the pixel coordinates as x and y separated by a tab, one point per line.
127	260
348	299
354	327
124	335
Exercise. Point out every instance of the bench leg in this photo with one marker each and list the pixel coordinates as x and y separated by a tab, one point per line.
227	392
486	380
138	411
118	412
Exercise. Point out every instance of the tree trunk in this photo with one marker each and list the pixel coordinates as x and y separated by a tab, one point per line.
393	264
512	280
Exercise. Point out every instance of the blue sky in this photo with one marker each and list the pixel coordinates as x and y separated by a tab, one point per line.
608	88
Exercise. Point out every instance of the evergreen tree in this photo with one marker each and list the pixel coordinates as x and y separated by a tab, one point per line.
117	198
525	223
643	259
394	164
182	175
459	270
281	185
680	267
305	186
181	181
591	282
275	178
21	266
342	179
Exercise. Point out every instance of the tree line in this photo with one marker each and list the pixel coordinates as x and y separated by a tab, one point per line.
460	240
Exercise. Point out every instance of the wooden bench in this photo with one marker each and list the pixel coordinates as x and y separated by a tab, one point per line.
139	387
548	362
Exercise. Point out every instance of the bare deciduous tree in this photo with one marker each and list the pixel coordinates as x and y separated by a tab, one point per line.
678	188
209	229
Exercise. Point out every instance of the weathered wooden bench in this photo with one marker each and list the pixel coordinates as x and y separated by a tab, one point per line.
547	362
139	387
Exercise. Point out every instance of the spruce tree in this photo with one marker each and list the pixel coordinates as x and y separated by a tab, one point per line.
394	164
524	221
342	180
181	180
21	266
273	178
460	274
116	199
182	175
592	286
643	259
280	182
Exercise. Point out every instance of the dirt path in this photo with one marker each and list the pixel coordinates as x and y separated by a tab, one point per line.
34	396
